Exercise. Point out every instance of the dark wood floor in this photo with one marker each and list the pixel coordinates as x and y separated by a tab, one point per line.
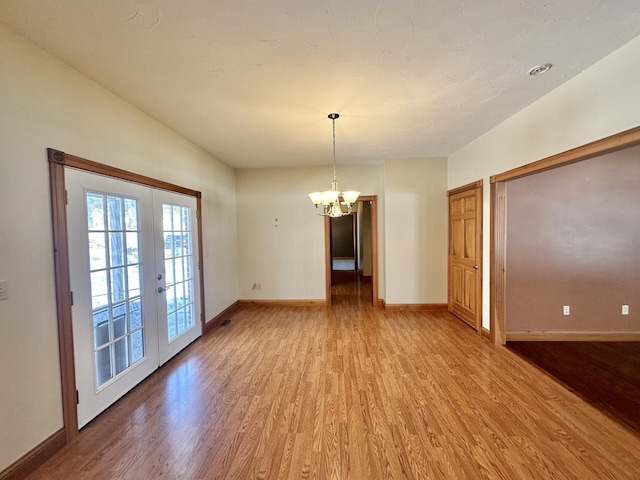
349	392
606	374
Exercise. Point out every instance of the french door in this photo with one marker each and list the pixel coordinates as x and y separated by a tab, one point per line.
177	281
133	266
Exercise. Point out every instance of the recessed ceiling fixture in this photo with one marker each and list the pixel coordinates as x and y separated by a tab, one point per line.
331	199
540	69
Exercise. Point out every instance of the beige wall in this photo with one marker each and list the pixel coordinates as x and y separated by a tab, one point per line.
286	256
599	102
280	238
416	230
44	103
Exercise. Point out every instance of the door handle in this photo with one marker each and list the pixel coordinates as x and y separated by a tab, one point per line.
160	289
475	266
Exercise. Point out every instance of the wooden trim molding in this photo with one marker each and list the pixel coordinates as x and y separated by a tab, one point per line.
222	316
63	292
416	307
498	269
200	260
464	188
282	303
327	260
485	333
109	171
573	336
374	247
36	457
619	141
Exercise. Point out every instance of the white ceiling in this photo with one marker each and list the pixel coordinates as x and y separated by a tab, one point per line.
252	81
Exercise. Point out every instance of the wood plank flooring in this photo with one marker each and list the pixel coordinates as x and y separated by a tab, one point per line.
348	392
605	374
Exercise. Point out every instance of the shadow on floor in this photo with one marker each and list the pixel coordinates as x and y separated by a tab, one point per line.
606	374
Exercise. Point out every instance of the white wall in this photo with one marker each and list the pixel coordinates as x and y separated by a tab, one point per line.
416	230
44	103
601	101
280	238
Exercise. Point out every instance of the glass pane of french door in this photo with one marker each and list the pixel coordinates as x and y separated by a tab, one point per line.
115	277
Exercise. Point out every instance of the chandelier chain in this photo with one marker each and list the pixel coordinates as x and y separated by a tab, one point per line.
333	119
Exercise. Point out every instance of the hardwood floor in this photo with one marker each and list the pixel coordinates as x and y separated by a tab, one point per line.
348	392
347	287
606	374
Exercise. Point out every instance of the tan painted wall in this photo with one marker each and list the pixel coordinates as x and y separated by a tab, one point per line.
573	240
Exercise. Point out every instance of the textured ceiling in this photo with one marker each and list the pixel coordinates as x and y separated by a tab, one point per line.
252	81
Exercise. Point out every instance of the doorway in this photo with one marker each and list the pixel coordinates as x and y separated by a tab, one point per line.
344	243
351	254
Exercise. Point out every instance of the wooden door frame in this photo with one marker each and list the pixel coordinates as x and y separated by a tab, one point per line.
354	228
498	271
478	234
57	162
374	249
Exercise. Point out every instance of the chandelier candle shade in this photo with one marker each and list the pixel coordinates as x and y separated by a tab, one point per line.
333	200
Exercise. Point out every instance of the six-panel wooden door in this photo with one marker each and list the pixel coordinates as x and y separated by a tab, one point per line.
465	254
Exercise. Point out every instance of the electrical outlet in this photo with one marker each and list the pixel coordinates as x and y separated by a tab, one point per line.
4	290
625	309
566	310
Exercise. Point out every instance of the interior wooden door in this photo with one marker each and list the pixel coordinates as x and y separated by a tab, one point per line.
465	253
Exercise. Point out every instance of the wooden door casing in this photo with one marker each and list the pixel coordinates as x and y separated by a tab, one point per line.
465	254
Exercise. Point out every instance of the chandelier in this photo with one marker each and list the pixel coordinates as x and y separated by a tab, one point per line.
333	200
